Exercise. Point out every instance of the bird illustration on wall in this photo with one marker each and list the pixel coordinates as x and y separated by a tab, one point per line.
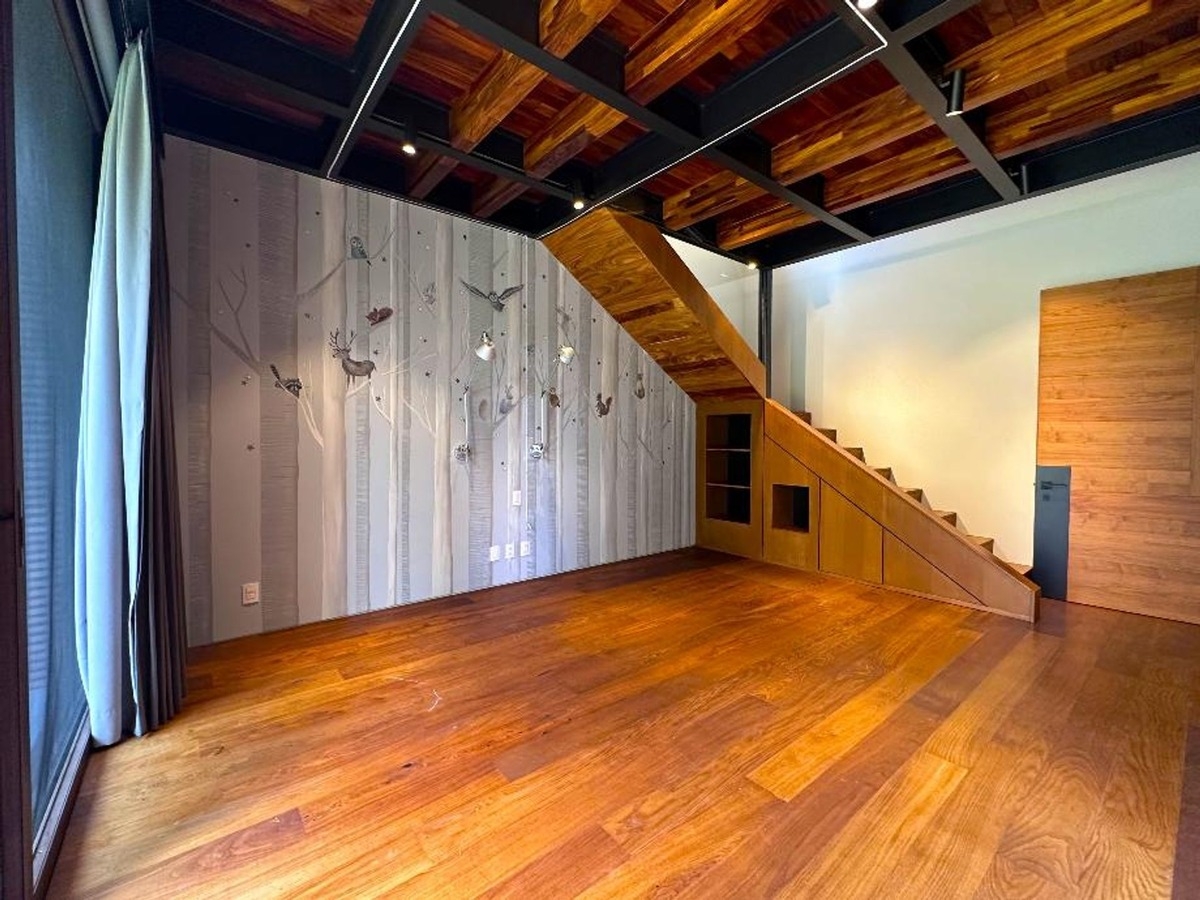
497	300
506	404
292	385
358	250
639	389
379	314
552	396
602	406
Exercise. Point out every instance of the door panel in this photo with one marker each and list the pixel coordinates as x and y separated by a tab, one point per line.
1118	402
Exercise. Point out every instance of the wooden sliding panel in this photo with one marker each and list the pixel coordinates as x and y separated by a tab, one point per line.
792	509
907	570
1119	402
851	541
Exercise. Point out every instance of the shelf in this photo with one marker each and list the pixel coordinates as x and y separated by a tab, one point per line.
728	449
736	487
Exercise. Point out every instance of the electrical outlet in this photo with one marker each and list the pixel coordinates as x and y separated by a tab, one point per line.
526	548
249	593
494	553
510	551
516	498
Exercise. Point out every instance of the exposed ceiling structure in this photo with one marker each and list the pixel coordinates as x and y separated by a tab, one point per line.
768	130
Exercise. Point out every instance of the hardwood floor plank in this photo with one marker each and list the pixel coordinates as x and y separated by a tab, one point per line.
795	767
688	725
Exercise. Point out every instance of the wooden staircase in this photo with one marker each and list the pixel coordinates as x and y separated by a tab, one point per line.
770	485
950	517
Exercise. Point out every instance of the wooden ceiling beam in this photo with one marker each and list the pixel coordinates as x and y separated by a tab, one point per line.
494	195
427	173
692	34
508	79
1071	35
563	24
1145	84
929	161
582	121
500	89
1064	38
1141	85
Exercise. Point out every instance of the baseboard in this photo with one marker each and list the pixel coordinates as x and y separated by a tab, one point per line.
48	840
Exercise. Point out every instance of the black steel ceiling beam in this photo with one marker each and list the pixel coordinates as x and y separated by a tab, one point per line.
206	121
1149	139
817	56
204	30
908	19
513	27
396	23
925	90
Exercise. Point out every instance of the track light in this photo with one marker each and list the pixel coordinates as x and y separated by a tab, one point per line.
751	264
956	87
407	147
486	348
864	5
578	197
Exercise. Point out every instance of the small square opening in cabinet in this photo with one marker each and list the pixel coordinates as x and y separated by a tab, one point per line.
789	507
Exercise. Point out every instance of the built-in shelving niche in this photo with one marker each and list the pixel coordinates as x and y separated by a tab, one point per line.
728	467
790	504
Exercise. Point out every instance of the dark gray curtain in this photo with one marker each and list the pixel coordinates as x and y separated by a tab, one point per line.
157	618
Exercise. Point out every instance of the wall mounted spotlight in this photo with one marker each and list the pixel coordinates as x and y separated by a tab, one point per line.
752	264
864	5
955	87
580	199
486	348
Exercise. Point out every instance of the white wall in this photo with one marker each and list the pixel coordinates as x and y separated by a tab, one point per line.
733	286
924	348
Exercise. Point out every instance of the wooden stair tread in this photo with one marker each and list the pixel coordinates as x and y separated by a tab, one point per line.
948	514
986	543
858	453
805	417
884	472
1019	568
830	433
917	494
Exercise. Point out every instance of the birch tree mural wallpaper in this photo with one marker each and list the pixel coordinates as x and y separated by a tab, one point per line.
378	404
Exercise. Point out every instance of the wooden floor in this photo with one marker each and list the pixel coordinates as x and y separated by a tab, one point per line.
683	726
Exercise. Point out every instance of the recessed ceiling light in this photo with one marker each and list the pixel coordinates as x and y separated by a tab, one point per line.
864	5
579	203
751	264
409	148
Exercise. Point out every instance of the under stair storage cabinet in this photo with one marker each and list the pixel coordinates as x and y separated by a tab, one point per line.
729	477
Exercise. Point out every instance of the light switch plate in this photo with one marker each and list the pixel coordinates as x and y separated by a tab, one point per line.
250	591
510	551
526	548
494	553
516	498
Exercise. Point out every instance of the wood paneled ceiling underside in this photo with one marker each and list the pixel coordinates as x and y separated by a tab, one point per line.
771	130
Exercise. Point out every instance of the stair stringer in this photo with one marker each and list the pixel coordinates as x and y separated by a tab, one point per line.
982	576
631	270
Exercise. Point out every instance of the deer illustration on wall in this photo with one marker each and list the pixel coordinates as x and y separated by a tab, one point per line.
354	368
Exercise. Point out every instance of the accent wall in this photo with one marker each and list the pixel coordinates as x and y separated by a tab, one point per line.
923	348
344	446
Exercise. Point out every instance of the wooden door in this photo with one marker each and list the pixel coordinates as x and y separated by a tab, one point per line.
1119	402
